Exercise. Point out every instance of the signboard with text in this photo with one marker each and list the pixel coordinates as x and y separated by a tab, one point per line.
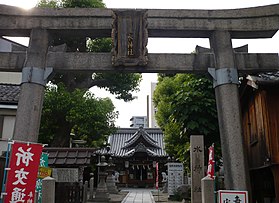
43	172
22	174
65	174
232	196
175	176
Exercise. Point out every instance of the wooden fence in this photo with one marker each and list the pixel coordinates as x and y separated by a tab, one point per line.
69	192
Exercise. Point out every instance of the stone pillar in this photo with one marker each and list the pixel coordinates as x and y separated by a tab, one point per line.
91	183
229	116
85	188
30	103
48	190
207	187
197	167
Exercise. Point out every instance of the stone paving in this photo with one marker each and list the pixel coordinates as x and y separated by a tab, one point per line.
140	195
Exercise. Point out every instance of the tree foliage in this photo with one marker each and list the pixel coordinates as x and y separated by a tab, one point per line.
71	4
186	106
77	112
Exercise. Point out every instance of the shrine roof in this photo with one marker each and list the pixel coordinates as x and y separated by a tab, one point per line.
140	135
261	79
9	93
127	141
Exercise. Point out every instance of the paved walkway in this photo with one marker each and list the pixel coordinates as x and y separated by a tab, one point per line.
139	196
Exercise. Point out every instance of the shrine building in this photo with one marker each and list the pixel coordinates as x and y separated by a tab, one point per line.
135	152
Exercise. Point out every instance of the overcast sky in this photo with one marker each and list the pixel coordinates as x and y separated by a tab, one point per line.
138	107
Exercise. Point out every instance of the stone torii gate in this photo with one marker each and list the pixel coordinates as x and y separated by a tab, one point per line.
130	30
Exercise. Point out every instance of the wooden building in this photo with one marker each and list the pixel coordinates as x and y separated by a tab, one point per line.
135	152
260	117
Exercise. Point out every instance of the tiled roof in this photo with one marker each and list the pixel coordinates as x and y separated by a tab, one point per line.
144	136
270	78
69	156
119	140
9	93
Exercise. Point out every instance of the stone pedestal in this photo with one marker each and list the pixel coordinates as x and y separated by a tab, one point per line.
207	186
112	189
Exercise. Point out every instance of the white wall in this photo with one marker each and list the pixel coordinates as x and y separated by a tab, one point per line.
8	127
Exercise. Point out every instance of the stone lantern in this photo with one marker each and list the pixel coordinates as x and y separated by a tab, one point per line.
102	194
112	189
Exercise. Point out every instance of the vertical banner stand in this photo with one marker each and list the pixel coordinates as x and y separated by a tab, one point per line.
5	171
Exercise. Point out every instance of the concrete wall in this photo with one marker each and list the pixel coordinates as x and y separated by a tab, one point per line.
10	78
5	46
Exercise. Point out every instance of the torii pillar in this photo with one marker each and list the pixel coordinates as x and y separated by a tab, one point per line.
229	115
34	78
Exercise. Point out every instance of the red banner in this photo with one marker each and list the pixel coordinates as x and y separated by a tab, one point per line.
157	175
22	176
211	162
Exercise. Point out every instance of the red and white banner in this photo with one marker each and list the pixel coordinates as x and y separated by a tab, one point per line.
157	175
211	162
22	176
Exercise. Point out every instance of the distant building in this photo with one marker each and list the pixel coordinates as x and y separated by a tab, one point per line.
139	121
9	46
153	109
9	95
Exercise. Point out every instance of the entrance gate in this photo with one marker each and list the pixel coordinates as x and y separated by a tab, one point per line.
130	55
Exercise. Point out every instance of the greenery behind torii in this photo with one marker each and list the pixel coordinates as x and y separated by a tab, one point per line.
186	106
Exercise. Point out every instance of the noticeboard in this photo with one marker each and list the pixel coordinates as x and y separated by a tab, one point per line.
232	196
175	176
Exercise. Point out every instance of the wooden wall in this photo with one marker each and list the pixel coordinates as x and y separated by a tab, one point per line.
256	130
260	118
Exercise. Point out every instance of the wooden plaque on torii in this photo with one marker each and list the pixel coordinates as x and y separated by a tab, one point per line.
129	38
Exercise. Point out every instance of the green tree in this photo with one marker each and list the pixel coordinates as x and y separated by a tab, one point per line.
71	4
78	113
186	106
73	85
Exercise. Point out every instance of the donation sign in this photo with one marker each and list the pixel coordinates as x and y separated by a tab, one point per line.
23	171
